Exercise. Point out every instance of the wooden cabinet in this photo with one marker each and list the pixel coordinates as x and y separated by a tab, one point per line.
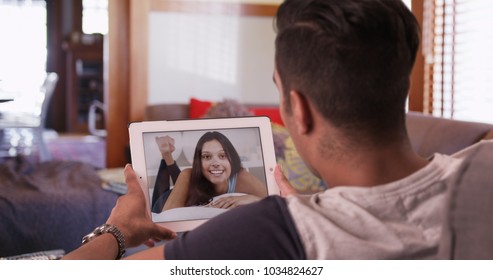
84	82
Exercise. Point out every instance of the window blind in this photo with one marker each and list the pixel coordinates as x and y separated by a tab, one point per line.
458	51
95	16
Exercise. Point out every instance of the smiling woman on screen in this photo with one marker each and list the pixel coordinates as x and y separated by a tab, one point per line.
216	170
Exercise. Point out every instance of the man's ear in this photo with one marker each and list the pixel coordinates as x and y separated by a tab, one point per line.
302	114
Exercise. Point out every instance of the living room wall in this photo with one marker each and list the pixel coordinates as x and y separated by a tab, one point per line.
128	59
210	57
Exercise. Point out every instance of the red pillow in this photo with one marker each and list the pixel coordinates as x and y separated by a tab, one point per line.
271	112
198	108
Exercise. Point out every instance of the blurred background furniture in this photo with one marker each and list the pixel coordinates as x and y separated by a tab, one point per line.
96	116
84	82
21	127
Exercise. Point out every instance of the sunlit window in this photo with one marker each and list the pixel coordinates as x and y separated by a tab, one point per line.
95	16
457	47
23	45
408	3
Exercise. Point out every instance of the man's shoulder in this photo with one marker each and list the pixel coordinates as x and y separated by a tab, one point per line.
478	160
482	149
467	229
247	232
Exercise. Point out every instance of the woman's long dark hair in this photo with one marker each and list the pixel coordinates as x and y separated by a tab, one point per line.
201	189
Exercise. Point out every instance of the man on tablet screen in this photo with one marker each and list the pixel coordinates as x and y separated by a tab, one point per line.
342	72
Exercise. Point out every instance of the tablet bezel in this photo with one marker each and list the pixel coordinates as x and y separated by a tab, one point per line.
137	130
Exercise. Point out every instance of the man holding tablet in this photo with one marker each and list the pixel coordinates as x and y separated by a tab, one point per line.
342	71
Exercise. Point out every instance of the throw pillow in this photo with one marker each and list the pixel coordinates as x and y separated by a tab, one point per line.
294	168
198	107
227	108
271	112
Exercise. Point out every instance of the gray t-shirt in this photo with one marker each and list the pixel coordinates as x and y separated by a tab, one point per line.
399	220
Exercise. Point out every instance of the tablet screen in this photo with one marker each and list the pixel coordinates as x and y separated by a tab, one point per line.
195	174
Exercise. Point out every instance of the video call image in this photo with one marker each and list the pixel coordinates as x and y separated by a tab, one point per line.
201	173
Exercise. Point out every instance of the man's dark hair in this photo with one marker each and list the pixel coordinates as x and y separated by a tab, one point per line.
351	58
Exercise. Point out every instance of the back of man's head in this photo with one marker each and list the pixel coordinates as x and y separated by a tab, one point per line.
350	58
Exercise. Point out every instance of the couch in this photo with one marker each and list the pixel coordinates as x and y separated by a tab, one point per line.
438	135
49	205
428	134
468	223
53	205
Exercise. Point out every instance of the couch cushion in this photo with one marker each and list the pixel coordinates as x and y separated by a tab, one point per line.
49	205
294	168
431	135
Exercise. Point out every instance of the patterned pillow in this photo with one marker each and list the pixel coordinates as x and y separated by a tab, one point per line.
227	108
294	168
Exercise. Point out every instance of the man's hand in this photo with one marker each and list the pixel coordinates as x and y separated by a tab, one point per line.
285	187
130	216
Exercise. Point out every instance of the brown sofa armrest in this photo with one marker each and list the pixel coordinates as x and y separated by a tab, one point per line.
167	112
488	135
431	135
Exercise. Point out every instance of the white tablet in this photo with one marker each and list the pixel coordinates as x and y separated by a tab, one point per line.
215	163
